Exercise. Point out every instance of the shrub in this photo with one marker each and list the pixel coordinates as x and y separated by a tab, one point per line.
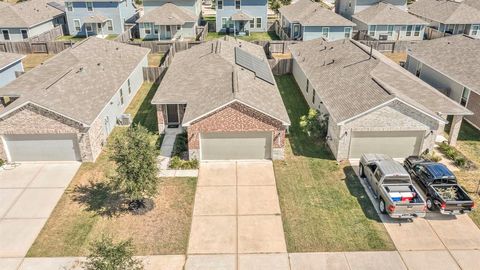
107	255
177	163
2	162
433	157
314	124
458	158
181	145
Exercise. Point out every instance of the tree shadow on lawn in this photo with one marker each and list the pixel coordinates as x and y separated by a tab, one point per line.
101	198
357	190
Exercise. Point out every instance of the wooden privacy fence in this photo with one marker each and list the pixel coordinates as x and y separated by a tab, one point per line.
202	32
281	66
127	35
432	33
280	31
389	46
51	35
153	74
27	47
276	46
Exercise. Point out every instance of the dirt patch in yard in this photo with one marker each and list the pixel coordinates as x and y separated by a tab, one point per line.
154	59
397	57
33	60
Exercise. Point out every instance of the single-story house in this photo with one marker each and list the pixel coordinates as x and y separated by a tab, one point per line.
168	22
450	17
224	95
451	65
29	18
373	104
64	109
10	63
384	21
99	17
306	20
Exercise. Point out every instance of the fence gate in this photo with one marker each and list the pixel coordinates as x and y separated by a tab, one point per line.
39	48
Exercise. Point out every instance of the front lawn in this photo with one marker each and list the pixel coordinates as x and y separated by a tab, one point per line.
469	144
89	207
324	206
254	36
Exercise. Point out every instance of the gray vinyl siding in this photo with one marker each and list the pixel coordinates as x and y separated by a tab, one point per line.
383	30
7	74
16	33
335	32
187	31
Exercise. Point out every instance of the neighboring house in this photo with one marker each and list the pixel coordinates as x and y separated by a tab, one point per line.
386	22
10	63
194	6
99	17
451	65
373	105
66	108
168	22
224	94
306	20
242	16
451	17
347	8
30	18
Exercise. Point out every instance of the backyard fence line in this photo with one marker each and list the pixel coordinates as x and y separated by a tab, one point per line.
389	46
28	47
432	33
202	32
51	35
281	66
153	74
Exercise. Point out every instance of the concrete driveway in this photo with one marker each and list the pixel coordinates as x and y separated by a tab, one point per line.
29	193
236	210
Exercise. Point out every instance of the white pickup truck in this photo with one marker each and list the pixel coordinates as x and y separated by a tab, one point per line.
392	187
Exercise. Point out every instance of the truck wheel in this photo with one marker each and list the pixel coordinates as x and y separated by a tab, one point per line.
361	171
382	207
430	204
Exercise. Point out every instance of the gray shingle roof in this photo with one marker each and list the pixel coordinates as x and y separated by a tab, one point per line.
9	58
447	11
310	13
168	14
455	56
241	16
350	83
96	18
29	13
206	78
387	14
78	82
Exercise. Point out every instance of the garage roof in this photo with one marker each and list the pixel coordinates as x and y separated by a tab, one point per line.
207	77
351	83
77	83
6	59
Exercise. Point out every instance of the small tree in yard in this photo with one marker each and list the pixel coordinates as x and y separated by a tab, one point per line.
136	158
107	255
314	124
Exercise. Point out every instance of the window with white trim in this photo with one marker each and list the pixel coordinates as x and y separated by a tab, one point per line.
224	22
348	32
465	95
238	4
24	33
6	34
475	30
109	25
313	97
147	28
325	32
252	23
409	30
121	96
156	29
371	30
129	86
390	30
69	6
89	6
76	25
258	22
88	26
417	30
219	4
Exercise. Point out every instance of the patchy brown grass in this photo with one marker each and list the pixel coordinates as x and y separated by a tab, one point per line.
154	59
90	207
397	57
33	60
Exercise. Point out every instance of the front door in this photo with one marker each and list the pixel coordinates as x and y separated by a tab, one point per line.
172	114
168	32
296	30
241	26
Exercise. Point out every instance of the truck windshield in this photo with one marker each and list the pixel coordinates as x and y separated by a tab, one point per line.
396	180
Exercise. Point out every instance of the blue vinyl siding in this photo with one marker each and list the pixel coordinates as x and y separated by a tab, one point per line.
253	8
7	74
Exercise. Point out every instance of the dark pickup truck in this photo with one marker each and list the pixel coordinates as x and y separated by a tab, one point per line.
440	186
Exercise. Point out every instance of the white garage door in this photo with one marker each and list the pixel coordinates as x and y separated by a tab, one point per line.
42	147
236	145
398	144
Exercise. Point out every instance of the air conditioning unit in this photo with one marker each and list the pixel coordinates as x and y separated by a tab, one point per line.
383	37
125	120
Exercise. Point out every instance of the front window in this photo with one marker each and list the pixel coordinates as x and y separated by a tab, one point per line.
259	23
252	23
390	30
475	29
417	30
325	32
224	22
148	28
348	32
238	4
6	35
24	34
371	30
465	95
409	31
219	4
76	24
69	6
89	6
110	25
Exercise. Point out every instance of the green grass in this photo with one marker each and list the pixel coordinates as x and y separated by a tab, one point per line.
324	206
90	207
256	36
111	37
70	38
